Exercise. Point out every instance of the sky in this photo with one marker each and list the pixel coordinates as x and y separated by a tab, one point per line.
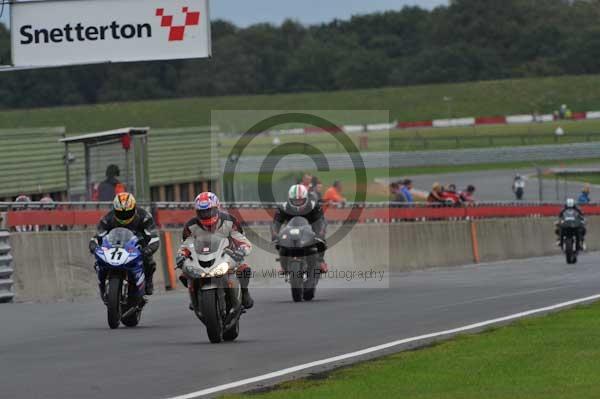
248	12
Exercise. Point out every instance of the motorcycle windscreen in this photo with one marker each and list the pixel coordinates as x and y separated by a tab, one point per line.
570	215
298	221
119	237
210	246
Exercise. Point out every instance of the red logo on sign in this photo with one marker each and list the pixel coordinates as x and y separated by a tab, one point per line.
177	32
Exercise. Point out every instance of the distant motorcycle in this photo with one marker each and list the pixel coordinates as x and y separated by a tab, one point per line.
569	226
120	257
298	247
213	286
519	188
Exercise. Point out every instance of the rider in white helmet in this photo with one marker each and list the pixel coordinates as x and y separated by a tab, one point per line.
301	203
571	206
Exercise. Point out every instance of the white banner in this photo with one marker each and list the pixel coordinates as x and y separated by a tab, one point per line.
68	32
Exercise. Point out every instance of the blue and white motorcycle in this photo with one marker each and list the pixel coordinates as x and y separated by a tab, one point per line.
120	270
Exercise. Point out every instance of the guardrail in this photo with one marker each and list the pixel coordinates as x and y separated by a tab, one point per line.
477	141
67	215
6	271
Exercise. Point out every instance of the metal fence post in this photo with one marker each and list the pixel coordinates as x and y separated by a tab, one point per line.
6	270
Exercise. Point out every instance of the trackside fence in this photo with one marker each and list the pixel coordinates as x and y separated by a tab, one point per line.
36	216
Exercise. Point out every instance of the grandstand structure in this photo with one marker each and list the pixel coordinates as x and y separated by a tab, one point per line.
181	161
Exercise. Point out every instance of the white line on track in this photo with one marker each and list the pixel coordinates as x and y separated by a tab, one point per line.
363	352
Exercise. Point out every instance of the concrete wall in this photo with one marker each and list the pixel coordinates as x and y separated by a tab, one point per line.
524	238
56	265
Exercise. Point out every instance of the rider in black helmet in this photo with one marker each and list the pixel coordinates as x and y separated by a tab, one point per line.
127	214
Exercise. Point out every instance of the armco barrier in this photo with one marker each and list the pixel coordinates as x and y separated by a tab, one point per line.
167	214
6	270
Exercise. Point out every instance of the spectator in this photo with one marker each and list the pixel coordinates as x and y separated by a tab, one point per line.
333	195
46	199
451	196
23	199
467	196
111	186
318	190
395	193
584	197
562	113
307	181
436	194
47	202
405	190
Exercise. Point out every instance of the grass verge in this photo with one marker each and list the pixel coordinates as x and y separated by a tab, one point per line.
411	103
554	356
432	138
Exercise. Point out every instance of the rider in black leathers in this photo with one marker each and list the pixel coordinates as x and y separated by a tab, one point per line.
571	206
126	214
301	203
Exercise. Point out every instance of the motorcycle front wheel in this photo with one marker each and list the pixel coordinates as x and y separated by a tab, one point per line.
113	304
570	252
209	307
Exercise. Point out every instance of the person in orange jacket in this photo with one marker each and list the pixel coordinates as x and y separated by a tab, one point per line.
333	195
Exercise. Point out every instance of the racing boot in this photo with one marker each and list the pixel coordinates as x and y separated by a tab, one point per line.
149	284
247	301
244	274
149	269
101	283
183	280
102	289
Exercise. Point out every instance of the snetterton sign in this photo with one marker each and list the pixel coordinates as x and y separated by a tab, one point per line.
68	32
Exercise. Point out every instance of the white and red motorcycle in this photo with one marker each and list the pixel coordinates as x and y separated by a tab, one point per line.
215	293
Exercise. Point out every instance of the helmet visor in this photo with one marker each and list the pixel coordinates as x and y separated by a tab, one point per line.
298	201
125	216
208	217
207	214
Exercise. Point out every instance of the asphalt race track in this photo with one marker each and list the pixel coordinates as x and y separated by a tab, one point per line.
66	350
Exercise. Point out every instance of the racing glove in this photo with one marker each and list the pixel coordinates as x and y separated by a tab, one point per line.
93	246
237	254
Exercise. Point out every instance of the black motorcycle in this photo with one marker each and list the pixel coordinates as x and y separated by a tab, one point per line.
299	248
570	227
